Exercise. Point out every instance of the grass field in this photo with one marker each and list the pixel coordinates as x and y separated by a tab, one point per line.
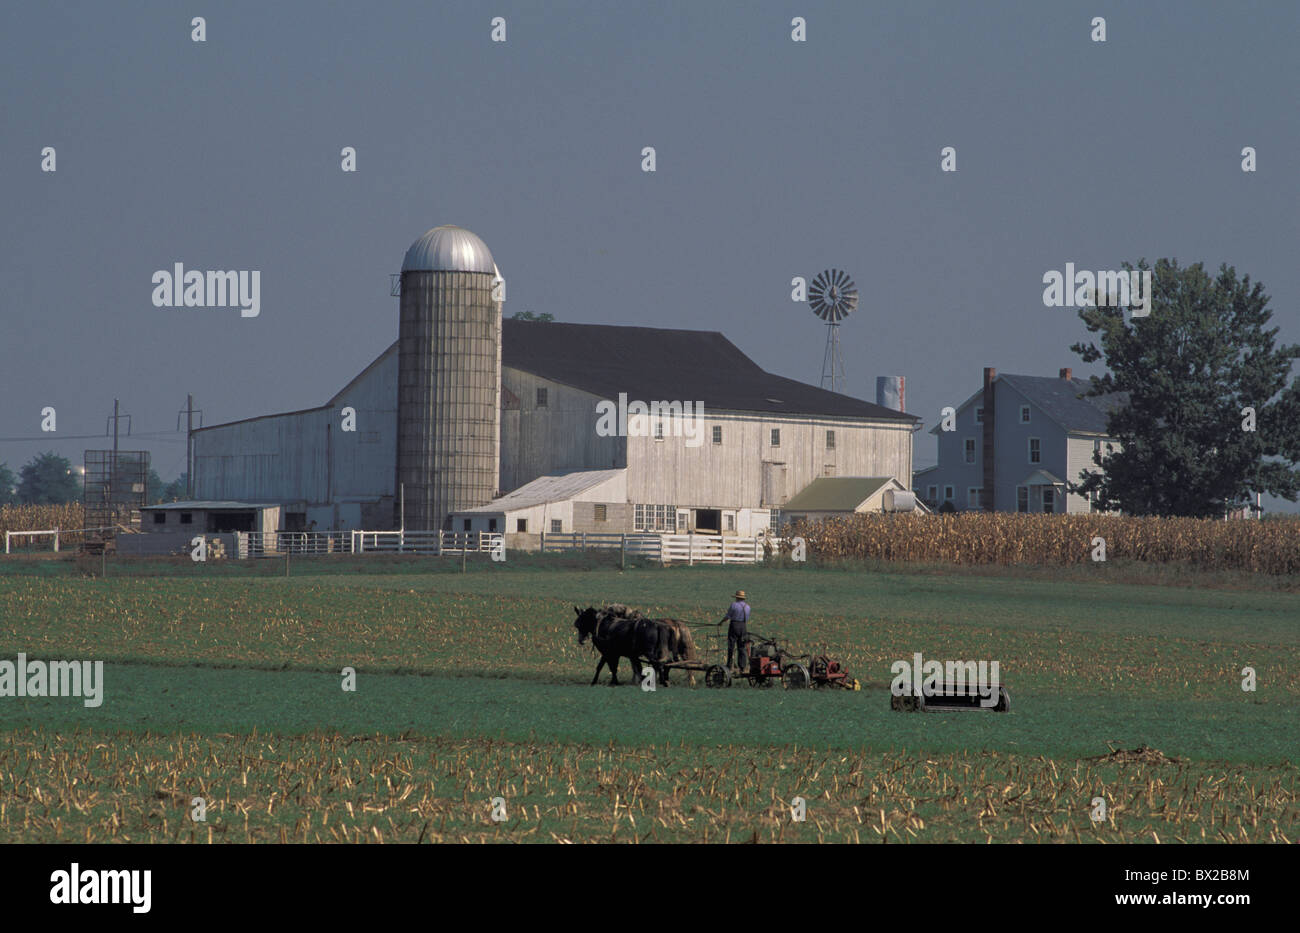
471	686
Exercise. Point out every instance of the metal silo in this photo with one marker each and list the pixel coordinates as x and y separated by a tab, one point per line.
448	377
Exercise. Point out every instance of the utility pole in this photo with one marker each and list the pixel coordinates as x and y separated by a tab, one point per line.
116	418
189	412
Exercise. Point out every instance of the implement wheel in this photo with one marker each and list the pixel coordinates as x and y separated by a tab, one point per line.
717	676
796	676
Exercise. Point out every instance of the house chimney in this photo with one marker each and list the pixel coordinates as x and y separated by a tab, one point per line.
1067	373
990	377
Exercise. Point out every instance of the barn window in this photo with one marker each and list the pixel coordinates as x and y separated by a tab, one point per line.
979	415
492	524
1035	450
730	519
659	430
717	434
600	512
541	398
467	524
830	440
776	437
828	469
1024	414
557	526
970	450
1022	498
654	518
187	518
160	518
521	525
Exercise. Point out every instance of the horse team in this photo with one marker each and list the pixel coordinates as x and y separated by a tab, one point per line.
619	632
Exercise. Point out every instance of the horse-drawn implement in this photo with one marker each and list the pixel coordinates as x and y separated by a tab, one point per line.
666	645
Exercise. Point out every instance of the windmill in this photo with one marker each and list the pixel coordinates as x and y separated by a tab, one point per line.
833	296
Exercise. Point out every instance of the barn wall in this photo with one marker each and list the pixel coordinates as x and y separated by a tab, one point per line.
561	436
730	474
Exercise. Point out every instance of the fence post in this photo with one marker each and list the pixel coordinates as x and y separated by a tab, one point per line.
542	547
56	540
622	552
690	549
6	542
756	557
722	549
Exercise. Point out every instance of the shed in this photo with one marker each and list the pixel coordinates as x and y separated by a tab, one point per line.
838	496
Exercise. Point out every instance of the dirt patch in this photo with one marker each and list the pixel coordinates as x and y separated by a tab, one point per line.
1143	754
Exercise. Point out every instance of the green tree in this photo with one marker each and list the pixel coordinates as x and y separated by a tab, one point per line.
175	490
1188	369
530	316
48	479
154	488
8	485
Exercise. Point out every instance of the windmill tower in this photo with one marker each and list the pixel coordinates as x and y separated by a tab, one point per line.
833	296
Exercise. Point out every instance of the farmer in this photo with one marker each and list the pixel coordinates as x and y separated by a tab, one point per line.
738	631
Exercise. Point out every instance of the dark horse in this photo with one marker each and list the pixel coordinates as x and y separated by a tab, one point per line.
624	635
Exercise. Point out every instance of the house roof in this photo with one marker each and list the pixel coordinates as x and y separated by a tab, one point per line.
836	493
1042	478
652	364
553	487
1062	400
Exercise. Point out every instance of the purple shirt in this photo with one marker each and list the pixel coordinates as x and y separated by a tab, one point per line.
738	612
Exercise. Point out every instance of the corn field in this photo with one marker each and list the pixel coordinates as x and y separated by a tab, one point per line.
69	517
1055	540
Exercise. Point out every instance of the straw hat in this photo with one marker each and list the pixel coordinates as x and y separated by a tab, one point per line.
740	594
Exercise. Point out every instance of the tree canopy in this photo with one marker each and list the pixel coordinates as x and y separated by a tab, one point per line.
1210	414
48	479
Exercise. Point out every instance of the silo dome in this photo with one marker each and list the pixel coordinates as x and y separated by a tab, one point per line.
449	249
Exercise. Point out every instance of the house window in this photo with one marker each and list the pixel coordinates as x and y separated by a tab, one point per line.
931	492
160	518
1035	450
557	526
466	524
187	518
1022	498
1024	414
492	524
600	513
541	398
717	434
947	493
521	525
1049	499
970	450
830	440
979	415
776	437
974	497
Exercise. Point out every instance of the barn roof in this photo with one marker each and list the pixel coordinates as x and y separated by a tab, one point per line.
836	493
659	364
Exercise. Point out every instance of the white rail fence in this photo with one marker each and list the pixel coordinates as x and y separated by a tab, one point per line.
53	533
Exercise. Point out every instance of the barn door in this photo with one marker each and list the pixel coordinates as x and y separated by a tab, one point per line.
773	492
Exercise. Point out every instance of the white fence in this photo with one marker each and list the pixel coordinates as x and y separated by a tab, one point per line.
279	543
31	534
668	549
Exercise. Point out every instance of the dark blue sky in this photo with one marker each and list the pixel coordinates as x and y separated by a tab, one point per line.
775	159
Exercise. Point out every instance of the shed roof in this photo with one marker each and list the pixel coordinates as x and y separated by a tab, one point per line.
211	505
553	487
837	493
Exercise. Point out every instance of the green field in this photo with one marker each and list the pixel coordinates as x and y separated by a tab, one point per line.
226	685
